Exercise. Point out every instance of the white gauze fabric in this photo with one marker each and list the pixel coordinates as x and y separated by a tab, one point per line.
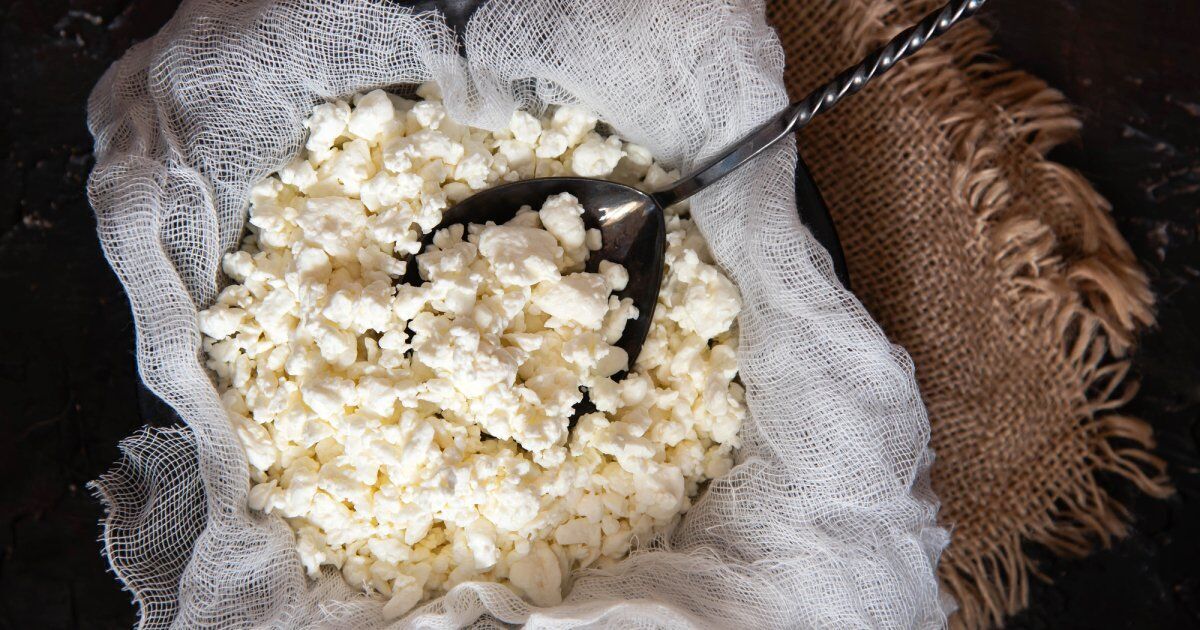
826	521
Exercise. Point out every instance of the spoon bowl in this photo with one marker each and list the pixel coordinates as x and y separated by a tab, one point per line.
632	230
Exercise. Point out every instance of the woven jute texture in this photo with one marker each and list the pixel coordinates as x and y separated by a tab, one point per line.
999	271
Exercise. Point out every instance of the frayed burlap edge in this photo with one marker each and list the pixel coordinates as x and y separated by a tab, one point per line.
1067	272
1086	297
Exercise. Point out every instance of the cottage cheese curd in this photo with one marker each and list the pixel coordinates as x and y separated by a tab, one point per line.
416	437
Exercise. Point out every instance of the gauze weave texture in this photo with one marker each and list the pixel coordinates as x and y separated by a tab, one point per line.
827	519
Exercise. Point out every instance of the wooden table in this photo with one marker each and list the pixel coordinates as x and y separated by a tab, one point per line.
70	388
1131	68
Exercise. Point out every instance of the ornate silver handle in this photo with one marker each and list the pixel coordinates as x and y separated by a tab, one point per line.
799	114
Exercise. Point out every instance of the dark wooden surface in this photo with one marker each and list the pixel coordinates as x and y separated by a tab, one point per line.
69	385
1131	69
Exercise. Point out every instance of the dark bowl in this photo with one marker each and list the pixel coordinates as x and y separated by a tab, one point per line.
815	215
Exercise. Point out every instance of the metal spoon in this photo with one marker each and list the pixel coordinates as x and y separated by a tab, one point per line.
631	221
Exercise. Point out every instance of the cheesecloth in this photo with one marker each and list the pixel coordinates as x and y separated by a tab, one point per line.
826	520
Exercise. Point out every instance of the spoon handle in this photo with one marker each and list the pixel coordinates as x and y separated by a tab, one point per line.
800	113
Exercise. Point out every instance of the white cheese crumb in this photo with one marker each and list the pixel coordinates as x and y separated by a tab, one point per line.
562	216
616	275
520	256
580	298
525	127
597	156
538	575
406	592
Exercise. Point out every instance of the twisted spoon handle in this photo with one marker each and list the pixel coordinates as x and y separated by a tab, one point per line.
800	113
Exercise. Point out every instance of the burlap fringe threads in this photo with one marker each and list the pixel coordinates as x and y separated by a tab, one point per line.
1065	271
1088	301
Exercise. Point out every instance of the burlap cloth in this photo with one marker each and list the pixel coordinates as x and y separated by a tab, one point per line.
999	271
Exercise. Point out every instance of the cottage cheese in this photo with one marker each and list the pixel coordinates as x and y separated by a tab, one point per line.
417	437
